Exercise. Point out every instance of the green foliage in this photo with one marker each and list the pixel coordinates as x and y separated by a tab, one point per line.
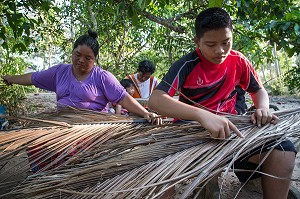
159	30
215	3
12	96
21	19
292	80
276	88
271	21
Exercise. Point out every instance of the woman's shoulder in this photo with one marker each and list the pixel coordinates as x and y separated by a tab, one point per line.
62	66
55	69
100	72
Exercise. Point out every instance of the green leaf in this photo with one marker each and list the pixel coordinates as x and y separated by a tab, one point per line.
26	27
19	32
110	2
291	52
122	5
288	16
297	29
272	24
135	19
215	3
4	45
148	2
141	3
56	9
2	33
130	11
12	6
286	26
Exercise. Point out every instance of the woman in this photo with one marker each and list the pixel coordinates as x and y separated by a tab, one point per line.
82	84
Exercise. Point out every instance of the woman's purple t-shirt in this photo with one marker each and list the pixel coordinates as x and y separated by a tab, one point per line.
93	93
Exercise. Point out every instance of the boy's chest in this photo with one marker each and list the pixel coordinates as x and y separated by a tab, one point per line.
204	77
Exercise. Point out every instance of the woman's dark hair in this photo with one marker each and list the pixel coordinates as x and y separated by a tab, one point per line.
126	83
146	66
212	19
90	40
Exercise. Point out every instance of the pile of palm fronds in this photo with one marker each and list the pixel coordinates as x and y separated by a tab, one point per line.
130	158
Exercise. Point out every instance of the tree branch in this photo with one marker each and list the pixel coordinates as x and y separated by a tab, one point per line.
164	22
191	14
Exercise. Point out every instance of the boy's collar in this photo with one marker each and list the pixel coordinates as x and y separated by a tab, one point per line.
205	62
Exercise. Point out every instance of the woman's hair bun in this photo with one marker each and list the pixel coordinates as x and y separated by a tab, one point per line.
93	34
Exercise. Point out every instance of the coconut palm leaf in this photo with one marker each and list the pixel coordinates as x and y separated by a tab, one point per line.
117	157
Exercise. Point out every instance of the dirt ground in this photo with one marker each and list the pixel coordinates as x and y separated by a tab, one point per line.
229	184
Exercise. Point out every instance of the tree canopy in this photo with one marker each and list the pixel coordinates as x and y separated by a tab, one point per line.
129	31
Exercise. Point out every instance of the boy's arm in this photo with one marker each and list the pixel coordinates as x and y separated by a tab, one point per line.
262	114
217	126
24	80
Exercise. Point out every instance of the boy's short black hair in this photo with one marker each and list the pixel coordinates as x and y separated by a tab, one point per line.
126	83
212	19
146	66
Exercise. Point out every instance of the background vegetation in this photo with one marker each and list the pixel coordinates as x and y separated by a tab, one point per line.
35	35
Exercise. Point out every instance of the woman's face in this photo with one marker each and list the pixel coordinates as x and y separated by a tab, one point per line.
83	59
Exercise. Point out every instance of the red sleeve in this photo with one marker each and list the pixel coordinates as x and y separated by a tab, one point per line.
249	78
177	74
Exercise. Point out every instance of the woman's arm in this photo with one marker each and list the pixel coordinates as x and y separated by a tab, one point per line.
217	126
24	80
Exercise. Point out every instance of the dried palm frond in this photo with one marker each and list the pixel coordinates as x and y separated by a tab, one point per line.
129	159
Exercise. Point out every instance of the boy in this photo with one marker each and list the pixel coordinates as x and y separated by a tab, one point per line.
209	76
144	82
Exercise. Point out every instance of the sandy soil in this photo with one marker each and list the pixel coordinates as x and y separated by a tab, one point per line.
36	103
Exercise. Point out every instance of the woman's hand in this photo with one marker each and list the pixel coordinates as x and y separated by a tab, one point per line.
24	79
6	81
153	118
263	116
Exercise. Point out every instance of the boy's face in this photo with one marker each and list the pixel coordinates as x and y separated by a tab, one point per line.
215	45
130	90
143	76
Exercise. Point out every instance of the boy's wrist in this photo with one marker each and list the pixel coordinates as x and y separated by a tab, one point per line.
200	115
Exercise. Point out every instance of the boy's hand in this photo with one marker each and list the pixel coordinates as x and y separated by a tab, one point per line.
263	116
219	127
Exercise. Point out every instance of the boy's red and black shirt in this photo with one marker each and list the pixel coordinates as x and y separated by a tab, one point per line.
211	85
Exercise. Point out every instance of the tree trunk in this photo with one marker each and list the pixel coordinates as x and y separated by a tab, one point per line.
277	66
264	74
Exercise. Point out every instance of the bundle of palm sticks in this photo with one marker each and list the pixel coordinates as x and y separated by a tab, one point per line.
127	158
